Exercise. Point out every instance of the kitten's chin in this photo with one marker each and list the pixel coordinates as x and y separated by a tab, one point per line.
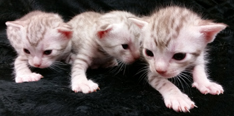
41	66
168	75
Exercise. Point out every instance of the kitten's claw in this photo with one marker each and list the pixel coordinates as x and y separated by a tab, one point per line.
209	87
187	110
168	106
28	77
85	87
179	102
193	106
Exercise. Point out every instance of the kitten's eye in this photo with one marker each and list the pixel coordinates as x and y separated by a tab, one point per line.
149	53
125	46
179	56
26	51
47	52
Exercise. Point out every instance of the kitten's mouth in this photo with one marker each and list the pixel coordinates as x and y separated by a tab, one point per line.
39	66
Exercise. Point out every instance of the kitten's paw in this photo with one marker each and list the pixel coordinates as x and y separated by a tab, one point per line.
85	87
28	77
209	87
179	102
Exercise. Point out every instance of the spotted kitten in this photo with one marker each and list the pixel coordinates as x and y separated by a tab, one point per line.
175	39
40	39
98	40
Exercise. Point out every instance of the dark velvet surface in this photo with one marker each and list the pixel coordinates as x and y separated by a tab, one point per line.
123	92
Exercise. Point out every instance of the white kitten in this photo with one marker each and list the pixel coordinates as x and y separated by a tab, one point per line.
98	41
175	39
40	39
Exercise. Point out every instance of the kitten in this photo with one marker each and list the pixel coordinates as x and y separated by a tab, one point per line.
98	40
175	39
40	39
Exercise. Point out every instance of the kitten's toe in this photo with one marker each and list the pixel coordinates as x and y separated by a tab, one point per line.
209	87
28	78
179	103
85	87
202	89
215	89
18	80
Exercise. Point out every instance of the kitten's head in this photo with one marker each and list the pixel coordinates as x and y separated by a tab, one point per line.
44	39
118	36
175	39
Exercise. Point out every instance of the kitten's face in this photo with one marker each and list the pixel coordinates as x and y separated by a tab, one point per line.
43	54
41	37
168	55
174	39
121	43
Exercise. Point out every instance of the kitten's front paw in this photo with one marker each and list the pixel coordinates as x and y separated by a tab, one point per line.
28	77
209	87
85	86
179	102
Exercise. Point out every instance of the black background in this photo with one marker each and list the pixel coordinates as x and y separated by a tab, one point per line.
123	92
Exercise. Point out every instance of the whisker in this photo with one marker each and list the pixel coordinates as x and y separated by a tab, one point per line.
117	70
180	82
187	77
184	78
143	69
58	65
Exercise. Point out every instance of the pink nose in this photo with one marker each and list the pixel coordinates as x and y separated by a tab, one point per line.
161	71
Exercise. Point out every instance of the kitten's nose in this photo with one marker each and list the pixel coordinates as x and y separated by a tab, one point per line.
161	71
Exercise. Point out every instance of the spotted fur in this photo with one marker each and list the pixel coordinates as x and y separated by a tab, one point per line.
98	40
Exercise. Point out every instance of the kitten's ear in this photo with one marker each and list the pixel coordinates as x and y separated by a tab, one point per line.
103	30
17	24
211	30
138	22
65	30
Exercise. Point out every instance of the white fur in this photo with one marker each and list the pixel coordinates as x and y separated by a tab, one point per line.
192	35
38	32
97	42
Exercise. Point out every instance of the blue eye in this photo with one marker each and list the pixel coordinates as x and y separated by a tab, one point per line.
179	56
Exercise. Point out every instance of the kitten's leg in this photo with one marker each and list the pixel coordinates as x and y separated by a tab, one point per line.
23	73
79	81
203	84
173	97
